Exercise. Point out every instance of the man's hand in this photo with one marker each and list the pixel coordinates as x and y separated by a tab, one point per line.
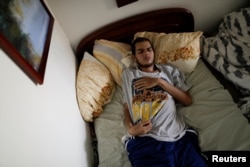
146	82
140	128
178	94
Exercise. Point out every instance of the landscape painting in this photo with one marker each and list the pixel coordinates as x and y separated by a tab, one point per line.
25	34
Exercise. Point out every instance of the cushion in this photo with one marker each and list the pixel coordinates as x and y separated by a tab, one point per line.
111	53
94	87
179	49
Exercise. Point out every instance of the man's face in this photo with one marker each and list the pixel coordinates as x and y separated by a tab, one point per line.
144	54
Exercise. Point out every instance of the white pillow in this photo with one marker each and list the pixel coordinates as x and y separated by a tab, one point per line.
94	87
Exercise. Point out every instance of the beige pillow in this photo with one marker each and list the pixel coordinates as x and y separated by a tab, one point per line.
179	49
94	87
111	54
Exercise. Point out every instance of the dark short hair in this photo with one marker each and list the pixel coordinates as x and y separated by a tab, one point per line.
138	40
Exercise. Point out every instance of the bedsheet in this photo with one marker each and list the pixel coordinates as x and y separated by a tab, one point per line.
218	121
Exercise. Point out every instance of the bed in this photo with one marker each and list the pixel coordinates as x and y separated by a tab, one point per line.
105	52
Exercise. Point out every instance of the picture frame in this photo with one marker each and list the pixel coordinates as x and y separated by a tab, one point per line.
25	35
121	3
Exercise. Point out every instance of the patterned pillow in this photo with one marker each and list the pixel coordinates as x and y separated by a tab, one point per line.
94	87
111	53
179	49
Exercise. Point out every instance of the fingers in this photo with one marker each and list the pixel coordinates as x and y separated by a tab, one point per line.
146	123
140	128
146	126
145	83
138	84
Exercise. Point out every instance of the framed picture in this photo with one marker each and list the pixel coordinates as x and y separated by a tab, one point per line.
121	3
25	34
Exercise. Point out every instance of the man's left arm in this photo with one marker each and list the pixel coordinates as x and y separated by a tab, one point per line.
182	96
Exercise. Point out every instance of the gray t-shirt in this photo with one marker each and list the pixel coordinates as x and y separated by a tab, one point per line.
155	103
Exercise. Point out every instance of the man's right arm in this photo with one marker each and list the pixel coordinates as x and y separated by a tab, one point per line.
127	119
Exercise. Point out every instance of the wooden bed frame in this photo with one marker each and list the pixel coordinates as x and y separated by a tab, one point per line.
163	20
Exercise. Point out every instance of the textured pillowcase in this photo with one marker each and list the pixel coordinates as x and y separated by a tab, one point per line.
94	87
111	53
179	49
154	37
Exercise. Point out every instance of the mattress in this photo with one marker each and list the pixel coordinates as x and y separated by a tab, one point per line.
218	121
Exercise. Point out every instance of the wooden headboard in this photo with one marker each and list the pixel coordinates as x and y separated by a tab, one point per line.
162	20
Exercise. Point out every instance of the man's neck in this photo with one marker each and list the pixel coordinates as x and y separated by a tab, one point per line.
150	69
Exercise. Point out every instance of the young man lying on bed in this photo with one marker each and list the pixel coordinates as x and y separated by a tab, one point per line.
156	135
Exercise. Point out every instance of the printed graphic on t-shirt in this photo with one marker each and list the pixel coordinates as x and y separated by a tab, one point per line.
147	103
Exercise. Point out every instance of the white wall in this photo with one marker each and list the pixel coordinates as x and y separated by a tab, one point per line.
41	126
79	17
